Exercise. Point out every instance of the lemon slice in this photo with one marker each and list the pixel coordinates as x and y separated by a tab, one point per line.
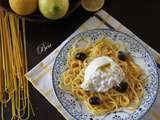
92	5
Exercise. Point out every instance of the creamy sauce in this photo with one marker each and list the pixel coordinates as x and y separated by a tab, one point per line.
102	74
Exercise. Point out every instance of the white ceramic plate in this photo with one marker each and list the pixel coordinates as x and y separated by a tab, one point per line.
140	55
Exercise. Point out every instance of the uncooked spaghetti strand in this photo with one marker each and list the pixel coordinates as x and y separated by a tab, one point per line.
1	71
13	67
3	58
25	57
10	62
2	113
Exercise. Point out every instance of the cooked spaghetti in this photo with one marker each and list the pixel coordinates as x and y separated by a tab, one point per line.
113	99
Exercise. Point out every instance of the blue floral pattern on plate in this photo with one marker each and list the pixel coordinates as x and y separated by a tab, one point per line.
141	56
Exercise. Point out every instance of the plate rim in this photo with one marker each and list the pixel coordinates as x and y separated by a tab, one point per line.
108	29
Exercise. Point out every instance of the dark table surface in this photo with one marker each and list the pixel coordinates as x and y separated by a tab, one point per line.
140	16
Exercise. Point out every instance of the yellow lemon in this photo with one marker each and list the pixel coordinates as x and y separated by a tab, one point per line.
53	9
23	7
92	5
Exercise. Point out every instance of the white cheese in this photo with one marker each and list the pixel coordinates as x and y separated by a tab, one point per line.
97	79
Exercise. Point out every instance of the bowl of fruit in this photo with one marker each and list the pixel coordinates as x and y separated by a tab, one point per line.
40	10
48	10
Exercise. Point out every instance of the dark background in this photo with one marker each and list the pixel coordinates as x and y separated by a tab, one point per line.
140	16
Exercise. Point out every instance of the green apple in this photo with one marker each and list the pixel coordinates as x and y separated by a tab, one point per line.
53	9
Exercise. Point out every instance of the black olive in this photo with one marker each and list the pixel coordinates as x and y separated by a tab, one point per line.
122	55
81	56
94	101
123	86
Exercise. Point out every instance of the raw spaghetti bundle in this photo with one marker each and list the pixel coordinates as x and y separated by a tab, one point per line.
13	66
